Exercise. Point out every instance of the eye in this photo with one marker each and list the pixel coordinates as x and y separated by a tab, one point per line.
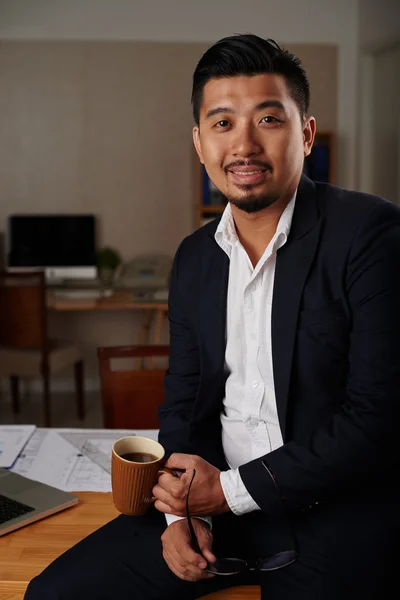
269	119
222	124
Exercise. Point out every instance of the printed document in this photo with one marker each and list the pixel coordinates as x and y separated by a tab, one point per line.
59	457
12	440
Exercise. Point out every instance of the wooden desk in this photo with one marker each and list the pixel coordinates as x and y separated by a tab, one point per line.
154	312
26	552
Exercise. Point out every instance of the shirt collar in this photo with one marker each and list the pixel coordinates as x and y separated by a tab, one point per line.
226	235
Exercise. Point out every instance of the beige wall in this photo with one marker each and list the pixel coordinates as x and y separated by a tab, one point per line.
386	127
287	21
105	127
379	22
379	76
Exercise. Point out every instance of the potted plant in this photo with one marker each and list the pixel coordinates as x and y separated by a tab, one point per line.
108	263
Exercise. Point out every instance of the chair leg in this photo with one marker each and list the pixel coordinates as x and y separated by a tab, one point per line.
79	387
46	399
14	382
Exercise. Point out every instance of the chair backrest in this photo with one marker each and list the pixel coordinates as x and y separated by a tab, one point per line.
23	310
130	395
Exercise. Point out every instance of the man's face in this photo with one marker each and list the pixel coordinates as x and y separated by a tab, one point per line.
252	139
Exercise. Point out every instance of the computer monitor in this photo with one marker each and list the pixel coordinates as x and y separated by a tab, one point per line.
63	245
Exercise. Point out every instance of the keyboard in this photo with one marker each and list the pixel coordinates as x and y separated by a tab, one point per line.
80	294
10	509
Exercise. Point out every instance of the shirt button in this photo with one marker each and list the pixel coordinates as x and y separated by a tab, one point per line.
254	384
253	287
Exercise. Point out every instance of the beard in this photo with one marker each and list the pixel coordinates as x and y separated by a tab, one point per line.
252	202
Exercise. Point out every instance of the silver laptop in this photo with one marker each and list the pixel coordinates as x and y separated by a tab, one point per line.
23	501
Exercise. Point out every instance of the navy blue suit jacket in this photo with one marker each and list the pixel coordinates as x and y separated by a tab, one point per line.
336	356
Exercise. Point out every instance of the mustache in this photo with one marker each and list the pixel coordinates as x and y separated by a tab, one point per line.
248	163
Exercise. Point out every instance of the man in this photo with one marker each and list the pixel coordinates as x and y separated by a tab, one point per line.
283	388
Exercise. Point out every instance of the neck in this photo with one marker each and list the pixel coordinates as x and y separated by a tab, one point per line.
256	230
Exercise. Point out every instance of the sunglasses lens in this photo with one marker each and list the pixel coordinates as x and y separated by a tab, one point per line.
227	566
277	561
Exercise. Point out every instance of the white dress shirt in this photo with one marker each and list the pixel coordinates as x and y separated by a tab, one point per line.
249	419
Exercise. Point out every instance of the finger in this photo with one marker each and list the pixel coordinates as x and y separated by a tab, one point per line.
185	567
205	539
177	569
172	486
208	555
188	576
185	554
177	460
167	509
163	508
206	550
167	480
177	505
182	568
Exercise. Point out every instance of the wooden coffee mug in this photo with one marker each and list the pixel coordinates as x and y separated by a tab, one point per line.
136	464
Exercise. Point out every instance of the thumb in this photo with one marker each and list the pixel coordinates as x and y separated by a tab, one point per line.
205	544
208	555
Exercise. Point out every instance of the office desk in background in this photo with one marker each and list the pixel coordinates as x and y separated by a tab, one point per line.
153	312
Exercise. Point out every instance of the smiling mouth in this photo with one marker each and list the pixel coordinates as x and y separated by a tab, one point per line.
248	177
255	172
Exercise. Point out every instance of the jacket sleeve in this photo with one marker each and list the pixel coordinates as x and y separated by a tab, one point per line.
183	374
358	445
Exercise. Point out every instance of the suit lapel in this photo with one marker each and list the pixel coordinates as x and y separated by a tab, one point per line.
293	263
205	425
216	273
212	310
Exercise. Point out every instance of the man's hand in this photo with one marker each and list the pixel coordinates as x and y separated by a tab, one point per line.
180	556
206	495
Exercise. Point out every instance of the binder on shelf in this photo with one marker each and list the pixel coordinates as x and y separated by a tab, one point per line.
211	196
318	166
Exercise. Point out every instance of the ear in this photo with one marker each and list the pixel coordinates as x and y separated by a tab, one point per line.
197	142
309	129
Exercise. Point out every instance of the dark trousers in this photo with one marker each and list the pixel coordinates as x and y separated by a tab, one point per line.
124	559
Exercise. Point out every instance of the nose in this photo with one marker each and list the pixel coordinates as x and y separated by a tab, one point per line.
245	142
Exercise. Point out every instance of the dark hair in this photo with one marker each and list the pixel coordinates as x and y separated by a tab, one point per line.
250	55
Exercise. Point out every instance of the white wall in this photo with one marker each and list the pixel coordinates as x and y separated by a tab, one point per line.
287	21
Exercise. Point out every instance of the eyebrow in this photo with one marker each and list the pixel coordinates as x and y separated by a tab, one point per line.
225	109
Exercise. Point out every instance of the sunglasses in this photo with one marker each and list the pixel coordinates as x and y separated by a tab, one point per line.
234	566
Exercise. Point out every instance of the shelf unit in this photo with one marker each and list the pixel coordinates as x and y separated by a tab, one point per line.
320	165
210	202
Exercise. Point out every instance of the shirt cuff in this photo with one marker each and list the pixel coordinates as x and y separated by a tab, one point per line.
236	494
172	518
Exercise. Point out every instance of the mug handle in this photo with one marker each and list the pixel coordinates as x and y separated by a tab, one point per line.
174	472
162	470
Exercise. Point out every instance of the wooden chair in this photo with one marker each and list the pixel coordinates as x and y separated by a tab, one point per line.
130	395
25	349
